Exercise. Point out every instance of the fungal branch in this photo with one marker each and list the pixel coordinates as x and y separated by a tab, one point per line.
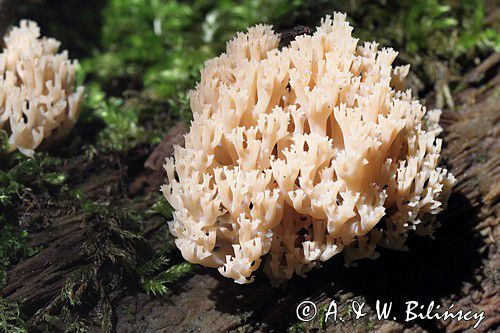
300	153
38	101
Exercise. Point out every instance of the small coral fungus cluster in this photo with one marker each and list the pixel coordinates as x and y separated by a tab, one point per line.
37	97
301	153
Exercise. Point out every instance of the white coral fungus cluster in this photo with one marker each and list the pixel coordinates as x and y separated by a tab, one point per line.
301	153
37	97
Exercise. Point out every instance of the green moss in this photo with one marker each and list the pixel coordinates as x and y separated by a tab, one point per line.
111	253
111	247
4	142
122	126
161	45
323	310
170	40
297	327
474	32
11	320
158	284
370	325
21	179
161	207
13	247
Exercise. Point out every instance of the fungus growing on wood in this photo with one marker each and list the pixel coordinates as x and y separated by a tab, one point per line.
297	154
38	101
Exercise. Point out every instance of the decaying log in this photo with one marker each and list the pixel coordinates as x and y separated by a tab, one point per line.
166	147
39	278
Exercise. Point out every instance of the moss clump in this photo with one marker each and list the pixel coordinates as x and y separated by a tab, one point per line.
19	174
11	320
158	284
297	327
161	207
13	248
111	252
122	125
23	178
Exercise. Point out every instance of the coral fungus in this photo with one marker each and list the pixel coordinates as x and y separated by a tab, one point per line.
300	153
37	97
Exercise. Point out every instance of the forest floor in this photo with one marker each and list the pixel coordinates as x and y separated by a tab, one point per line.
94	252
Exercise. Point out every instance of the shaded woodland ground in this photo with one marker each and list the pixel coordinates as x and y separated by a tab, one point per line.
84	240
